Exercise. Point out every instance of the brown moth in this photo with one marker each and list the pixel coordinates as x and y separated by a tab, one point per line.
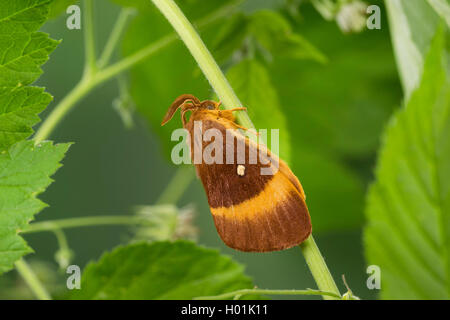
252	211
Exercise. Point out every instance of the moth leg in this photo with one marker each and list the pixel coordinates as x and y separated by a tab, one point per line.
228	114
238	109
186	107
256	133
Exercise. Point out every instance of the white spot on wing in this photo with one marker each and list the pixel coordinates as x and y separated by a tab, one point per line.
240	170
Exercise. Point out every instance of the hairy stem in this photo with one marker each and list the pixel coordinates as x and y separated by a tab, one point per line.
32	280
239	293
224	91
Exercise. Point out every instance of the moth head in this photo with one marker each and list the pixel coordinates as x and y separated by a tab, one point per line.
210	105
187	102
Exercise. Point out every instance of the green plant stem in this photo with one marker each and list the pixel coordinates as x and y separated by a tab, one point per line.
52	225
224	91
89	38
61	239
239	293
115	36
177	185
318	267
93	79
32	280
203	57
47	127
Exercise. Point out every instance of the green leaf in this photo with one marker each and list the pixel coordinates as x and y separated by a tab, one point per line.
57	7
336	107
408	208
230	37
22	52
335	115
19	107
273	34
442	7
25	168
334	193
24	173
18	16
252	85
161	270
413	24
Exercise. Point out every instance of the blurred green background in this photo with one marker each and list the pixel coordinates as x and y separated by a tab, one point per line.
335	113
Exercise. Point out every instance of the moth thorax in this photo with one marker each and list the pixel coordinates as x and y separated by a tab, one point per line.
240	170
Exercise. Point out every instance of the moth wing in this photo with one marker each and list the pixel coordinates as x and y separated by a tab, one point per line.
251	211
275	219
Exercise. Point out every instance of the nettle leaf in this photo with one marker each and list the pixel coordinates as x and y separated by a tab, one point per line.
408	208
19	109
24	173
411	36
57	7
252	84
25	168
22	52
161	270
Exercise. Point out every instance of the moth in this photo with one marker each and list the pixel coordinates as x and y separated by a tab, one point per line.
252	212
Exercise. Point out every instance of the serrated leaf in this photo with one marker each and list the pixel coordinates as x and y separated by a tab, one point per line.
408	208
252	85
22	49
161	270
24	173
19	107
57	7
21	57
19	16
22	52
25	168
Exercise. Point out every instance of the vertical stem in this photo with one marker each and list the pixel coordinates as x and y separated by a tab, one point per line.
203	57
32	280
318	267
177	185
224	91
89	38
